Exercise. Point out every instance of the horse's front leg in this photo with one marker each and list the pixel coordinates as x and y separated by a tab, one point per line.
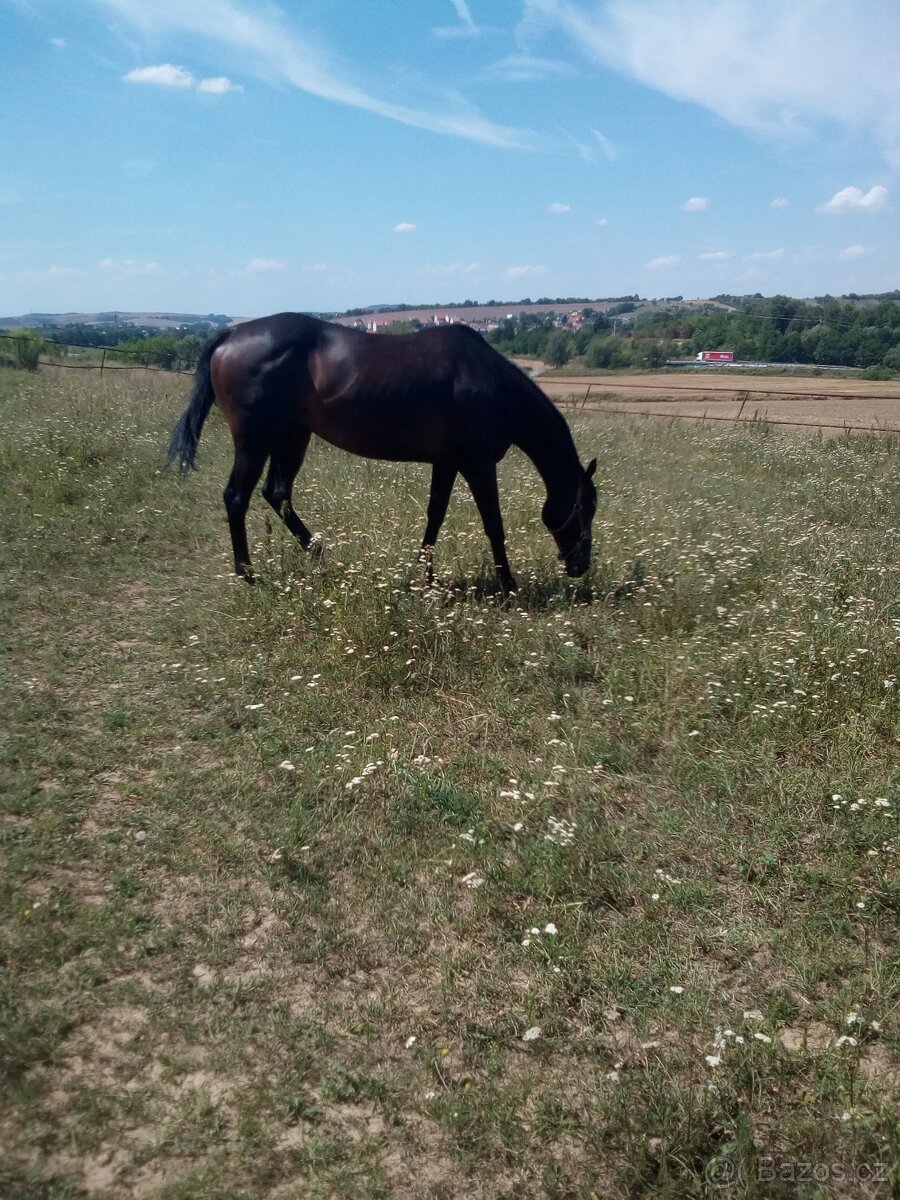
442	479
481	477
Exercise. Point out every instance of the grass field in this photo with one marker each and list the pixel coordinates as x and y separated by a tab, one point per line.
344	887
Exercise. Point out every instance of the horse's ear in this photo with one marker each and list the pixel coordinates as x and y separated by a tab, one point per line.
590	469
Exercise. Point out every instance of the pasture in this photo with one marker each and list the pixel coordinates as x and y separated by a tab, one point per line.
341	886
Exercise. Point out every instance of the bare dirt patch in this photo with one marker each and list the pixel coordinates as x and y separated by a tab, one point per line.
818	402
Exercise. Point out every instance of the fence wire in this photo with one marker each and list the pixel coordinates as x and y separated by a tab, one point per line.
145	363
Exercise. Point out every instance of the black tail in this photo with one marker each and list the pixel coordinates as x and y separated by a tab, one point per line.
186	434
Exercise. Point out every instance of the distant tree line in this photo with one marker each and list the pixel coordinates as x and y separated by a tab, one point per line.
175	350
825	332
548	336
562	301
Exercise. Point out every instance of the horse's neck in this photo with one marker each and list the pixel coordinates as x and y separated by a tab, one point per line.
545	437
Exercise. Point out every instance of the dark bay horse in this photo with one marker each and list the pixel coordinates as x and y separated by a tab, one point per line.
442	396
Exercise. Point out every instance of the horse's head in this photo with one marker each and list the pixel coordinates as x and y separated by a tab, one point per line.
573	536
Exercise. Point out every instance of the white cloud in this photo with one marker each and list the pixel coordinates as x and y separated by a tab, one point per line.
470	268
852	199
58	42
665	260
761	255
128	266
405	227
853	252
257	266
269	47
557	208
218	85
601	221
696	204
740	59
779	202
163	75
714	256
524	272
167	75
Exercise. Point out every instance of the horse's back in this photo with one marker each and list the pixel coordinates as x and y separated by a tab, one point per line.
441	394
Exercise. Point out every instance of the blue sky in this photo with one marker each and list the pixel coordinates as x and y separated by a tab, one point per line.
247	157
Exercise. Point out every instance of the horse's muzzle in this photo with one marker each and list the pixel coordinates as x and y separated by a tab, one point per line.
578	562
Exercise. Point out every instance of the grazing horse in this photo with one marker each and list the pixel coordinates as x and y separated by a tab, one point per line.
442	396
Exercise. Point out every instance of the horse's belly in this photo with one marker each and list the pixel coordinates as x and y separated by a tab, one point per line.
374	433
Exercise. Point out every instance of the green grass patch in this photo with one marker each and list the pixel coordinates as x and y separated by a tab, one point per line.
343	885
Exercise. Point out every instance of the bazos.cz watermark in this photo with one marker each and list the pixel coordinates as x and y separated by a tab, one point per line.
723	1172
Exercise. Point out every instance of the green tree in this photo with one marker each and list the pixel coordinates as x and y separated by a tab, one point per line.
556	352
25	348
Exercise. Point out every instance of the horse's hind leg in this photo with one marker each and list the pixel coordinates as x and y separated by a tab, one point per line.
442	479
248	465
286	462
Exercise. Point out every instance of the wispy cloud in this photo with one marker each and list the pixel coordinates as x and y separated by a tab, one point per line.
128	266
610	149
269	46
665	260
259	266
58	42
853	200
449	269
779	202
739	59
524	272
714	256
556	208
764	255
695	204
523	68
466	26
854	252
405	227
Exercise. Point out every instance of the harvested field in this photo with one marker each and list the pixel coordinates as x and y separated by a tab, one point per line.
834	404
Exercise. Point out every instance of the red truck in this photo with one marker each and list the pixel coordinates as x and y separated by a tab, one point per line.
716	356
